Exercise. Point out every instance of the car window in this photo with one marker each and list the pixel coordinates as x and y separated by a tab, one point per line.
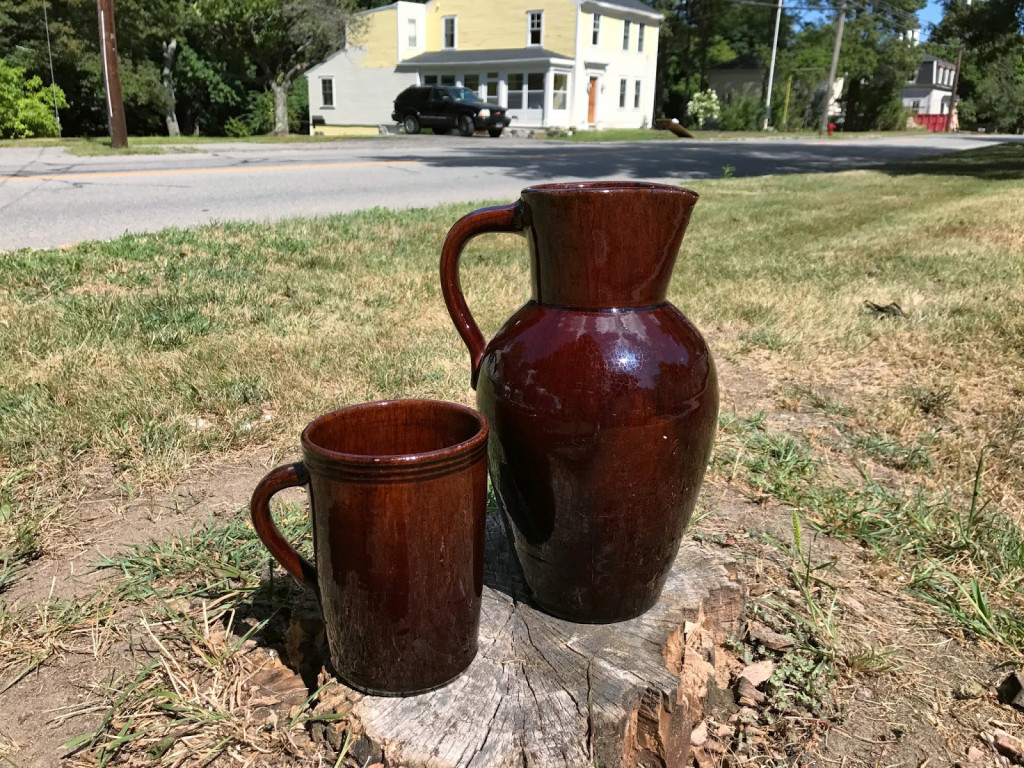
462	94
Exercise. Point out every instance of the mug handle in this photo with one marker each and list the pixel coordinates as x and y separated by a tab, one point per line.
502	218
287	476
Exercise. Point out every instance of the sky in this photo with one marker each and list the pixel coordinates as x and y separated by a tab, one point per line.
930	15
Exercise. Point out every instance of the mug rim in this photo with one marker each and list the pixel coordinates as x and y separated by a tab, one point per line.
423	458
609	187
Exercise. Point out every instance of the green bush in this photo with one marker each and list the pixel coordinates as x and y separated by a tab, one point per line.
236	128
26	105
742	113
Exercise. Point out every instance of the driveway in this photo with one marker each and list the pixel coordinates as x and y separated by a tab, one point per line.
50	198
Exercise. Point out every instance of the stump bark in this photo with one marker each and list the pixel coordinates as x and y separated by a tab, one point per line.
549	693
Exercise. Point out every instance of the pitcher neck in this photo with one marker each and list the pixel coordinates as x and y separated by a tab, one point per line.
604	245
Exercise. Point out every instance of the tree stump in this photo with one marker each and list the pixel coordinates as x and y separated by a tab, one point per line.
549	693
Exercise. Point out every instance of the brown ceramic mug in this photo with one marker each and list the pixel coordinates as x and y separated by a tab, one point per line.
398	497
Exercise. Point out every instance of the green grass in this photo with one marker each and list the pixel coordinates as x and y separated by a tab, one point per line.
653	134
155	145
959	552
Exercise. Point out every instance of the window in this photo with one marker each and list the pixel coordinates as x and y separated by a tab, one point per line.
916	105
430	79
559	95
534	27
450	38
640	37
622	93
472	82
447	79
596	35
515	90
625	35
535	90
636	94
412	33
327	91
491	86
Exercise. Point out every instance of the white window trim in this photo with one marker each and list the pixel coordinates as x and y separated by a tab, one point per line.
330	79
640	27
623	92
595	30
529	36
412	39
455	33
637	95
627	34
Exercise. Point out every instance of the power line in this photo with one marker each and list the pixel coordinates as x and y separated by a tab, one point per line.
53	84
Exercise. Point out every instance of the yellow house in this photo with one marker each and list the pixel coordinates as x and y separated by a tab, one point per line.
553	63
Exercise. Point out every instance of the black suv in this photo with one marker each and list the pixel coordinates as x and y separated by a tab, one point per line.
443	107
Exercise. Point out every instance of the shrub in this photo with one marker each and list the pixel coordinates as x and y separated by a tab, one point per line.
704	106
26	106
743	113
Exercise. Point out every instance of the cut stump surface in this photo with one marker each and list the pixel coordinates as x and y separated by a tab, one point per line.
546	692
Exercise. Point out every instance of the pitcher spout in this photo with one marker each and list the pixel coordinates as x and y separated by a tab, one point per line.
604	244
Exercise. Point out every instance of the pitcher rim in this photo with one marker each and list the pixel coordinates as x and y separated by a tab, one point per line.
609	187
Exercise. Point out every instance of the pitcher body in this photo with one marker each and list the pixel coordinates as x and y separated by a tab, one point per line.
602	397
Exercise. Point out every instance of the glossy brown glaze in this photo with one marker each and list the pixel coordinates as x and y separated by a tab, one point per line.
398	497
602	398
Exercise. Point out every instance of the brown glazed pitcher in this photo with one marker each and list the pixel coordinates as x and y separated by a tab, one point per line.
398	492
602	398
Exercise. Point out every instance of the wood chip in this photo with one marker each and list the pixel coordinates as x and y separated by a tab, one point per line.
699	734
769	638
1009	746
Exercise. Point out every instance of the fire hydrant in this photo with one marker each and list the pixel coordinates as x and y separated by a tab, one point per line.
831	128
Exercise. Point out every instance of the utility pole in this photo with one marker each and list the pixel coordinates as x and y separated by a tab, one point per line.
956	82
840	22
771	69
111	75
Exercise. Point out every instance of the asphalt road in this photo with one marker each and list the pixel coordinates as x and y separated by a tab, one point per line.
50	198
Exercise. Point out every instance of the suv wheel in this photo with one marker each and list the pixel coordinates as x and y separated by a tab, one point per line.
466	126
412	124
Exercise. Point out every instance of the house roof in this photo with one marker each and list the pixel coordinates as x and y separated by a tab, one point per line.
484	57
636	6
746	61
929	57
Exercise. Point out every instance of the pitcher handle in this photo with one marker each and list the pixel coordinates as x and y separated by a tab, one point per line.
287	476
501	218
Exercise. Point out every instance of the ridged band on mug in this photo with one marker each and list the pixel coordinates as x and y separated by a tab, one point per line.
396	469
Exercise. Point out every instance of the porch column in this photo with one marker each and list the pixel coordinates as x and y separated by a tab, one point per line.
549	87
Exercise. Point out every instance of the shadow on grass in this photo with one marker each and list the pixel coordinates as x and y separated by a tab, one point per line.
1002	162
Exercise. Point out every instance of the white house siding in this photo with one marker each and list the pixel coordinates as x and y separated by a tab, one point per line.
362	96
365	95
611	64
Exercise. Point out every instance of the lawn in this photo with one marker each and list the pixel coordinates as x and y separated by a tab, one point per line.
156	145
129	368
652	134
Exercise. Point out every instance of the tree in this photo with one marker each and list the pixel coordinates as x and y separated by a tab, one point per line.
697	35
26	105
991	87
268	43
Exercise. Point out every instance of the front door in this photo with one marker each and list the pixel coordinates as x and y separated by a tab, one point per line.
592	101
